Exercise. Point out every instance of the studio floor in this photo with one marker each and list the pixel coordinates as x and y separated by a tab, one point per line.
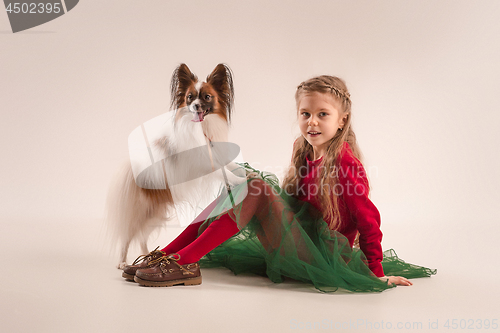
60	277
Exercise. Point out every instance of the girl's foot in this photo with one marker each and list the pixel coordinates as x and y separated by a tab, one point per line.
142	261
167	272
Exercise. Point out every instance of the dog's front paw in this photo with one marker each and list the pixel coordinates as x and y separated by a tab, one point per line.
121	265
252	174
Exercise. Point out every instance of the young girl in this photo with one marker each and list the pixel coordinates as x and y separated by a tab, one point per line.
304	230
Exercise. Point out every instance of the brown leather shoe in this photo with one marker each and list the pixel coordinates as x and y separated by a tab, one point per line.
142	261
166	272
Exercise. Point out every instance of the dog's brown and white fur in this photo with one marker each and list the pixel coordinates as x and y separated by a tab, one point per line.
135	212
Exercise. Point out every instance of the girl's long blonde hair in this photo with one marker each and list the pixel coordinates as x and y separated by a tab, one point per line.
328	178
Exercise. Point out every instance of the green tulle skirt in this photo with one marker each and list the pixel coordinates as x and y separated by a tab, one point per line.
283	237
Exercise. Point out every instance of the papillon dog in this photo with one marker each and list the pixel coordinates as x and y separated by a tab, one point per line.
144	199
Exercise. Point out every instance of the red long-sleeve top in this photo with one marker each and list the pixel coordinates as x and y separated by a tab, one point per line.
357	212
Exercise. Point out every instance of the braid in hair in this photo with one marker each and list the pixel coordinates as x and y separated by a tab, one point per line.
342	94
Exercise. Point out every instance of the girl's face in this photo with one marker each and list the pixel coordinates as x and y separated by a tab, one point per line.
320	116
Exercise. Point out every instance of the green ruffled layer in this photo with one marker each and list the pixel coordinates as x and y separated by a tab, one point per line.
303	247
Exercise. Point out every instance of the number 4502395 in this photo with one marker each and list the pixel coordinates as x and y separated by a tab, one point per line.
33	8
471	324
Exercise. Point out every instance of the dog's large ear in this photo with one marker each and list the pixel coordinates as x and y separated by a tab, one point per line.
182	78
222	80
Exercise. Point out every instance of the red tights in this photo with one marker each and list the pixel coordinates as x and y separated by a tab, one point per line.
191	248
260	202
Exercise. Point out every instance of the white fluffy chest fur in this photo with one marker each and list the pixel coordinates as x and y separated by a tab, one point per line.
189	175
187	134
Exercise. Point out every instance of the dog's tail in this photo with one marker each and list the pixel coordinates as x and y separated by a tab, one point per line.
130	214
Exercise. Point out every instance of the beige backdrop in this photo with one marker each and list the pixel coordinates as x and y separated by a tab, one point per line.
424	79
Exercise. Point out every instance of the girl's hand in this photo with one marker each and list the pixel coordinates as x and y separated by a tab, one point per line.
398	280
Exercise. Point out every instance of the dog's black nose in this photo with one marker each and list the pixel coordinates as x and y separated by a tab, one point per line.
197	107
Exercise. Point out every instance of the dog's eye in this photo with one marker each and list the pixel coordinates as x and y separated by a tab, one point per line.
207	97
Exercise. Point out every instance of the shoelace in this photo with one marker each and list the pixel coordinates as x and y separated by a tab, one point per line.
145	256
174	260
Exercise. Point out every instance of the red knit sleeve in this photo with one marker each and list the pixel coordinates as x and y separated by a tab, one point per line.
362	211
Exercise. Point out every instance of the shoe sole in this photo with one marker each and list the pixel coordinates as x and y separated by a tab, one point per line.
128	276
187	282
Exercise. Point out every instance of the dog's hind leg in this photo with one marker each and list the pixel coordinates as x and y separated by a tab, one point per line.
123	255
